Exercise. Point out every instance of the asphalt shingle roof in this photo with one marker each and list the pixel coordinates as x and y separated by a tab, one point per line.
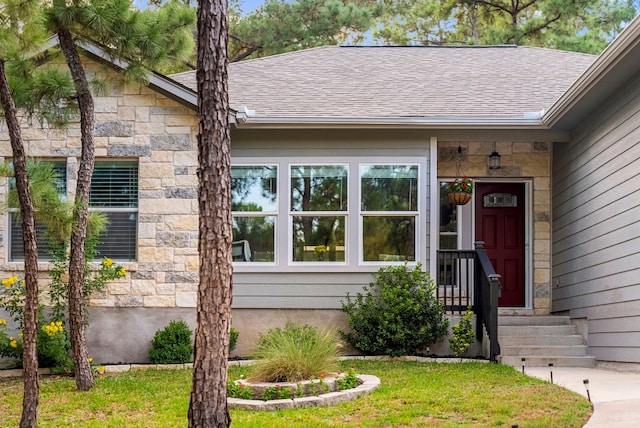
387	82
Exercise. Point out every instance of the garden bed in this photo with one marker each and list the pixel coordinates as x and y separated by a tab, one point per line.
311	393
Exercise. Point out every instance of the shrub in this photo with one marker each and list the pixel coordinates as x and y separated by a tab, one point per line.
53	345
233	339
294	353
398	314
463	335
172	345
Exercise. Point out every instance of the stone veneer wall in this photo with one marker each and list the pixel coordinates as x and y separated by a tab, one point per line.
134	123
520	160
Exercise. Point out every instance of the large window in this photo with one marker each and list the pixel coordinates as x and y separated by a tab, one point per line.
114	191
16	243
338	215
389	210
319	203
254	202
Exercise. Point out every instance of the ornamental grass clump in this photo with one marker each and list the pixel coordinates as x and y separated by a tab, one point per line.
295	353
398	314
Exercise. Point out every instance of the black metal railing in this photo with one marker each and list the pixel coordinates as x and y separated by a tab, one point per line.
466	279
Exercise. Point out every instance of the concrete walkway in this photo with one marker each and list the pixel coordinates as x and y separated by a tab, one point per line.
615	395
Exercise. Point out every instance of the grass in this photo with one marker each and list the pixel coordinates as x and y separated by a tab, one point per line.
411	395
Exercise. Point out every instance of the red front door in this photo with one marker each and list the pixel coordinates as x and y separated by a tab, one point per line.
500	219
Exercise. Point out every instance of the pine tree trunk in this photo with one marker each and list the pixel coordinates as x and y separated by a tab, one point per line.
208	401
30	320
83	374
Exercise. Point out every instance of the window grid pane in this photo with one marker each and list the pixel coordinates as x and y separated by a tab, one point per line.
318	188
319	238
17	245
119	242
114	184
389	238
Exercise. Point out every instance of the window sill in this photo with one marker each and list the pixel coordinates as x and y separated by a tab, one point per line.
18	266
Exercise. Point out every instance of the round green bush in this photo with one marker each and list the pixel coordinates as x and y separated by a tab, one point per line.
172	345
398	314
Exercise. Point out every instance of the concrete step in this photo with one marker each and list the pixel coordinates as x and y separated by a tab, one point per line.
537	330
553	340
533	321
544	351
540	341
537	361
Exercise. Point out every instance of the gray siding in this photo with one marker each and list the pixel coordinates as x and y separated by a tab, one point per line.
296	290
313	287
596	227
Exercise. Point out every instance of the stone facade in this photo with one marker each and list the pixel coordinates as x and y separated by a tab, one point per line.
134	122
521	161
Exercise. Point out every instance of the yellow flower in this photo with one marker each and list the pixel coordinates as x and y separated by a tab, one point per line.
90	359
11	338
20	334
122	272
107	262
8	282
3	321
13	344
59	323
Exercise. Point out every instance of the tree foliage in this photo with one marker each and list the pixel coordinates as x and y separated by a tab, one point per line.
585	26
282	26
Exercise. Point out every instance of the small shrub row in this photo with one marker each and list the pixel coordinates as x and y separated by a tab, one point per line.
172	345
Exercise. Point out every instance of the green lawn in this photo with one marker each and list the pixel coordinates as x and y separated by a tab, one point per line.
411	395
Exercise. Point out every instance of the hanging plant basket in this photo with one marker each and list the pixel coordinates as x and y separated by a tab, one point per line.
459	198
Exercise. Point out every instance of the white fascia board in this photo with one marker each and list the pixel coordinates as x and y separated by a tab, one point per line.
390	122
612	55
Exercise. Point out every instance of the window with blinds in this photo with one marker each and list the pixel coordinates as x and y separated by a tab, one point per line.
16	244
114	191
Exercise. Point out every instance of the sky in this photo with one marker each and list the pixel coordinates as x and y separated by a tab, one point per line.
246	5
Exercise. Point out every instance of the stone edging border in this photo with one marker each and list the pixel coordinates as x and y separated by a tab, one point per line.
121	368
369	383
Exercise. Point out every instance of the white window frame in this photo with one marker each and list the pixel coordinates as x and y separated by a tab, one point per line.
353	226
345	214
275	214
362	214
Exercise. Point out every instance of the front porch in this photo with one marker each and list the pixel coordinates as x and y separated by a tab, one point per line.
513	336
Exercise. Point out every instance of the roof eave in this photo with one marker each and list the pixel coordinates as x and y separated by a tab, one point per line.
297	122
156	81
617	60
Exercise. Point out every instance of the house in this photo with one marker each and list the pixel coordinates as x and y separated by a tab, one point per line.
340	158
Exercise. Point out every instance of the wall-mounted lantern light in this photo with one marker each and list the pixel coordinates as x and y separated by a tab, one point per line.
494	158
